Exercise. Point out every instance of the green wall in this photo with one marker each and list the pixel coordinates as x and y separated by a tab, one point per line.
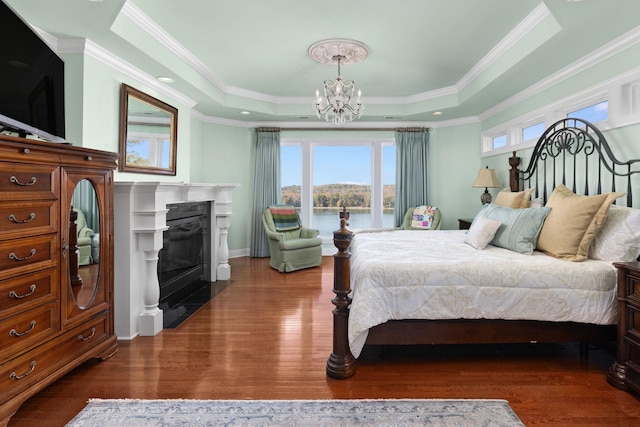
216	153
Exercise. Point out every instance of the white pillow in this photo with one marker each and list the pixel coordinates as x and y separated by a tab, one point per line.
619	237
482	232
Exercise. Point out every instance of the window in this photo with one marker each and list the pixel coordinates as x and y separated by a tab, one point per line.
593	113
322	176
533	131
499	141
291	174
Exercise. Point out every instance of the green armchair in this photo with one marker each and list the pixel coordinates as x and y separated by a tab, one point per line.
84	239
292	249
436	224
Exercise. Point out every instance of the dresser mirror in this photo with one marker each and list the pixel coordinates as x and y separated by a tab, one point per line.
148	133
84	243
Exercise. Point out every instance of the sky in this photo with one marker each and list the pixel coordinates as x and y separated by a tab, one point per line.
336	165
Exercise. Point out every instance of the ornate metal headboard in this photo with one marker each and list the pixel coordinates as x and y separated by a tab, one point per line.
574	152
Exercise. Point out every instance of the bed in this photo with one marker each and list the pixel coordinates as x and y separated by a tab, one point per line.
406	287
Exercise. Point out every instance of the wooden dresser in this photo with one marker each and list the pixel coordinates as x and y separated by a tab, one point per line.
54	313
625	372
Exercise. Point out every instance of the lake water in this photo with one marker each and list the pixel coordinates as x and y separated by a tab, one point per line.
327	220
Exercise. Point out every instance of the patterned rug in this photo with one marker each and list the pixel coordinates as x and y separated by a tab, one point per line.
394	412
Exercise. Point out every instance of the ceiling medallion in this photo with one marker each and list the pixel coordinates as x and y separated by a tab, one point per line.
337	105
324	51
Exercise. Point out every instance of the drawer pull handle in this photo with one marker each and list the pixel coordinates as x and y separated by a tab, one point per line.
14	180
15	257
15	376
12	218
15	333
91	335
14	295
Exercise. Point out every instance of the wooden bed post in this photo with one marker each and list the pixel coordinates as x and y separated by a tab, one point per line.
341	363
514	176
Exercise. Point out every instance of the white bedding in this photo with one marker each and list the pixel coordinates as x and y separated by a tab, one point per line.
435	275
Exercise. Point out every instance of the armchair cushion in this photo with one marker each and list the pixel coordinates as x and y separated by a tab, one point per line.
436	219
285	217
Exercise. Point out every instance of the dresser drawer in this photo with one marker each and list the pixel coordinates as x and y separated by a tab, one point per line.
21	219
633	289
20	256
35	365
633	321
26	329
28	182
25	292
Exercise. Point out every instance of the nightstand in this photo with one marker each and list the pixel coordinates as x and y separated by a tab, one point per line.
465	223
625	372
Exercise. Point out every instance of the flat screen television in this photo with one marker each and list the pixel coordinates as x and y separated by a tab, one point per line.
31	81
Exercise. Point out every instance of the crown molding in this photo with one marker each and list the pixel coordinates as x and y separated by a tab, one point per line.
522	29
95	51
608	50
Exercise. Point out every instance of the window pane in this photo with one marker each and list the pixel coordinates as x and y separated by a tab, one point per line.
341	177
500	141
291	174
389	184
533	131
593	113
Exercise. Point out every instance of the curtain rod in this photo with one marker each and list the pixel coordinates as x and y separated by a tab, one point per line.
418	129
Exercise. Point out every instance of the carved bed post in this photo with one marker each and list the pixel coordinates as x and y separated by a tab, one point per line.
341	363
514	172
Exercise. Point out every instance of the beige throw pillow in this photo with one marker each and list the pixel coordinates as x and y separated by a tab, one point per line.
514	200
573	223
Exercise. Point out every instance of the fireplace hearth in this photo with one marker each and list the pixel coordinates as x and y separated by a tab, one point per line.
183	262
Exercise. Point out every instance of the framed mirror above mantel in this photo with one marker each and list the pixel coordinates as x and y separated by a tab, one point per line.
148	133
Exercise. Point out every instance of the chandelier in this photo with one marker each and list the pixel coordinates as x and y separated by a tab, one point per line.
338	104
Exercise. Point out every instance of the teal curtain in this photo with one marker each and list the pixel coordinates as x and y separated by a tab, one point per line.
412	170
266	186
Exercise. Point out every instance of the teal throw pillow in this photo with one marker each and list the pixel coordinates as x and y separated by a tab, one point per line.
520	227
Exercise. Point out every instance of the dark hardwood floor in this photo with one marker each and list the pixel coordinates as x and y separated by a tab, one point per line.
268	336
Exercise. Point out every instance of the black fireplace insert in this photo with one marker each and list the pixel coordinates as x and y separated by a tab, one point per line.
183	261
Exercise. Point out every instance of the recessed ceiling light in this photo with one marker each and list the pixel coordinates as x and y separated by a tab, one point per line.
246	113
164	79
438	113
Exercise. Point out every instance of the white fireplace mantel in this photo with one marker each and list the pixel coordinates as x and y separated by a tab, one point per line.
140	216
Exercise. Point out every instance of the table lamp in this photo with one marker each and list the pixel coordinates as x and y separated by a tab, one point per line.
486	178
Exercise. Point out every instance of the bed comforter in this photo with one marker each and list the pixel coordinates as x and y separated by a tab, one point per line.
435	275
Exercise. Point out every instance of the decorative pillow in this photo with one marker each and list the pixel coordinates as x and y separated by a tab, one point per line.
423	217
619	237
285	217
481	232
515	200
519	228
536	203
573	223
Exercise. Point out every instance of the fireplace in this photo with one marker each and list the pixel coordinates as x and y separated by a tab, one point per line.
182	261
139	226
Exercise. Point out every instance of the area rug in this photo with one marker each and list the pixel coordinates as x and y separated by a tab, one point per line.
395	412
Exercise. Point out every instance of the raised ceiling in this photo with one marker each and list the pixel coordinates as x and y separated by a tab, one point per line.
459	57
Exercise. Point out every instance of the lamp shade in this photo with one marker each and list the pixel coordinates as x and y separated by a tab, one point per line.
487	179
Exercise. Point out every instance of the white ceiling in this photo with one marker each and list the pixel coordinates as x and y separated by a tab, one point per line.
460	57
